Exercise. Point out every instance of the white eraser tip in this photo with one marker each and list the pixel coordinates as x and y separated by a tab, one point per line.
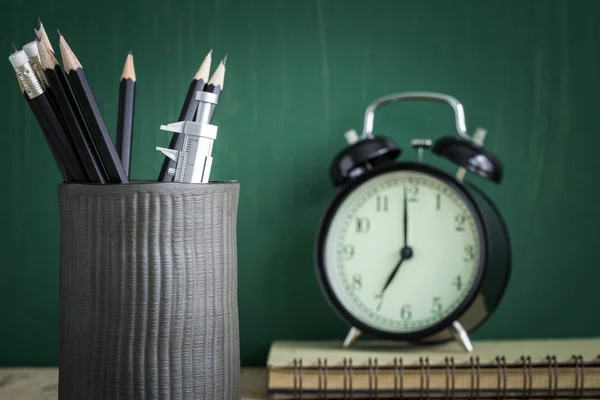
31	49
18	59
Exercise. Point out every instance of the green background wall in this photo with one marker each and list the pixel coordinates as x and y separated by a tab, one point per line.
299	74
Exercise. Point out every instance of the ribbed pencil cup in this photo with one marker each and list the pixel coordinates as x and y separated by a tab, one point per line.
148	291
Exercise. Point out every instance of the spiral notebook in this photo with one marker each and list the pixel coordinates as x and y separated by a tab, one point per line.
523	369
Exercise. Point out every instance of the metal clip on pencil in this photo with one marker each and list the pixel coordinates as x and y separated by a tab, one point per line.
194	160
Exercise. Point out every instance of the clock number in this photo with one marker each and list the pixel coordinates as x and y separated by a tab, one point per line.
348	251
469	252
412	192
460	220
438	201
362	225
457	282
382	203
436	307
356	282
406	312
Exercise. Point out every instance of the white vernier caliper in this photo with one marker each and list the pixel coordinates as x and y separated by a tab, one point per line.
194	159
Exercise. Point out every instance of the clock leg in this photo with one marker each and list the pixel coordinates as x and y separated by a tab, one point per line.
351	337
461	336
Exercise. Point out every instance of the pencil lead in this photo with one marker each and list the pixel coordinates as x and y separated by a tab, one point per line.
59	34
224	60
39	22
130	53
37	35
210	52
14	48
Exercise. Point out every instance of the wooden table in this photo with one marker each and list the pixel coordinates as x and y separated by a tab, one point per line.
42	383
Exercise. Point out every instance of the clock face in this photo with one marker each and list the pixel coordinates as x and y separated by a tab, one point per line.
402	251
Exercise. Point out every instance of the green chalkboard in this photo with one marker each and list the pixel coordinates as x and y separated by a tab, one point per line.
299	74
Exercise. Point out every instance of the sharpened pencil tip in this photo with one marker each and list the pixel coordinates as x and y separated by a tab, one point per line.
210	52
39	22
14	48
224	60
59	34
128	68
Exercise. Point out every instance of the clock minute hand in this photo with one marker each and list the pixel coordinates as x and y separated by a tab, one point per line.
405	219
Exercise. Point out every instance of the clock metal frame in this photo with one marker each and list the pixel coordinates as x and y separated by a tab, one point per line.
474	291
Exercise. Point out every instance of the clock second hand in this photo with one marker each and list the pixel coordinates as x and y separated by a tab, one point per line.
405	253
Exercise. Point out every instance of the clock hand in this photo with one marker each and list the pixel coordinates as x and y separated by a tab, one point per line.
405	219
389	280
406	251
405	254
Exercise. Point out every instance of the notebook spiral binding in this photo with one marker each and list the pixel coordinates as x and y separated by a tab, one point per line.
449	366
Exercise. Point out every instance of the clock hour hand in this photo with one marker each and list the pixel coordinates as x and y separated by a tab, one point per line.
405	254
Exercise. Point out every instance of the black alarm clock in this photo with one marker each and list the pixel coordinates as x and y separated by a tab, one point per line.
407	251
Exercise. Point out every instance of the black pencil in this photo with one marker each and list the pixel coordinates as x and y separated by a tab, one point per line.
54	132
44	36
71	157
37	41
47	133
206	110
125	113
43	40
32	50
217	80
68	108
91	112
188	110
216	83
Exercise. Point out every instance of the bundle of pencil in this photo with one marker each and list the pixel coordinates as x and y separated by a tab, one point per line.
63	103
200	82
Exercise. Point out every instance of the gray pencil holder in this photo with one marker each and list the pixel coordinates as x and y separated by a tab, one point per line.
148	291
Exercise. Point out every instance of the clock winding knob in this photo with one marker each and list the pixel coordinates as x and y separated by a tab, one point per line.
421	144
